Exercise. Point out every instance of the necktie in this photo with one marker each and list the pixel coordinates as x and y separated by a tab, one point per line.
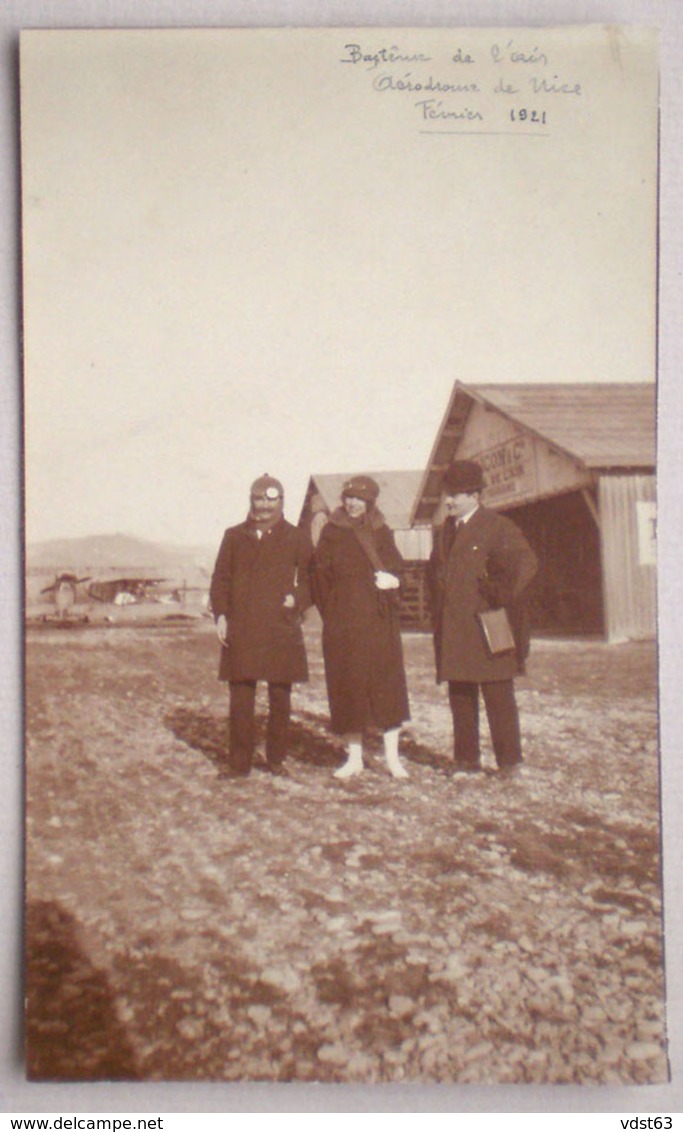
449	535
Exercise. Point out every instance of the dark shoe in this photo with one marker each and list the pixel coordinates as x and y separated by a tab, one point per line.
278	769
514	771
467	768
228	773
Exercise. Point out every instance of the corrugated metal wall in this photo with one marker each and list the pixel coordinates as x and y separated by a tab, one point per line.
629	578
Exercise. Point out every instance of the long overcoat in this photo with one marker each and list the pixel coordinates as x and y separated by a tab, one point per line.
366	683
251	579
485	564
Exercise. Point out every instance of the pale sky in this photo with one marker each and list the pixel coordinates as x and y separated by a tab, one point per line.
241	256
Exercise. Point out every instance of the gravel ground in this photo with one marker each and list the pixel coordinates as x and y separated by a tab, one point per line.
480	931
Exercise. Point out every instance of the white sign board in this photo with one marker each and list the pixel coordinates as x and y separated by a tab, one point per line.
646	516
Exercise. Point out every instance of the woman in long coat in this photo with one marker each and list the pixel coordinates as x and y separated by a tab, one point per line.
356	588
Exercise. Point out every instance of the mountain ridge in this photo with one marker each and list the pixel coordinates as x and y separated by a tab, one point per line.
113	551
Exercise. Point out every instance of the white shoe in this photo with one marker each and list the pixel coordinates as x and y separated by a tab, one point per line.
354	758
394	764
349	770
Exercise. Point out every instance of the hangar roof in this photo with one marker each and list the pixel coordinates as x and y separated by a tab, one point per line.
601	426
605	425
396	498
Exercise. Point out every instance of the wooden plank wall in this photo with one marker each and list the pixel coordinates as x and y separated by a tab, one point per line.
414	611
629	583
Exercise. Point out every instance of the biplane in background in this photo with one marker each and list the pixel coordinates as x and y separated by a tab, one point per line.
73	597
64	594
114	579
129	591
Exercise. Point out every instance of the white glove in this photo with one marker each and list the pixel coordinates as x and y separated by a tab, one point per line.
222	629
289	601
385	581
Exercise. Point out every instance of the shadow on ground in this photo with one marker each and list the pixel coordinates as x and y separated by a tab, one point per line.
72	1030
310	740
199	730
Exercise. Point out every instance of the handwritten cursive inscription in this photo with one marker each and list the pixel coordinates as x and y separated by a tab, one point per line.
461	56
502	87
544	86
510	54
372	59
519	68
434	109
408	83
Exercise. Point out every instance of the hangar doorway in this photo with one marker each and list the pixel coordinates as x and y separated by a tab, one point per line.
567	592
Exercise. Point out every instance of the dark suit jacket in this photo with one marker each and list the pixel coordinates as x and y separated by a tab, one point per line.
485	564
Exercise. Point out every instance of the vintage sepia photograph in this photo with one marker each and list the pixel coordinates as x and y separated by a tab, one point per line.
341	687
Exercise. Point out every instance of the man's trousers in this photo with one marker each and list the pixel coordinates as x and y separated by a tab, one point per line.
503	717
242	724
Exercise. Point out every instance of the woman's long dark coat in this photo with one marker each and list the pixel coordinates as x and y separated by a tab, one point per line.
485	564
366	683
250	581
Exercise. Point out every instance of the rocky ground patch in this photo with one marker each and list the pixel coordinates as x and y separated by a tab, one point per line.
479	931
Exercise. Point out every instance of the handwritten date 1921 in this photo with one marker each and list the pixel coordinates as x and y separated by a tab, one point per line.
523	115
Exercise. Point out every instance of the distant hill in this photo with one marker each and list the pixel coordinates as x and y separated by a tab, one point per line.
105	553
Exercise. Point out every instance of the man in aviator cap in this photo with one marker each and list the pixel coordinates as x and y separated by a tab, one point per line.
480	561
259	591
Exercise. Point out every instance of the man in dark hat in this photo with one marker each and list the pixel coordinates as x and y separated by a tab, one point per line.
259	591
480	561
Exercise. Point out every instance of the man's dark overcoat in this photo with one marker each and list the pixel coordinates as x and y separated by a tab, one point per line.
485	564
366	683
251	579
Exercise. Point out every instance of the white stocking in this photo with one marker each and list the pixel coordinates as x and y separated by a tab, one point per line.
396	767
354	758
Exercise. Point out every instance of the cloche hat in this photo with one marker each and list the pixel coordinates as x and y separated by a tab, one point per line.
361	487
